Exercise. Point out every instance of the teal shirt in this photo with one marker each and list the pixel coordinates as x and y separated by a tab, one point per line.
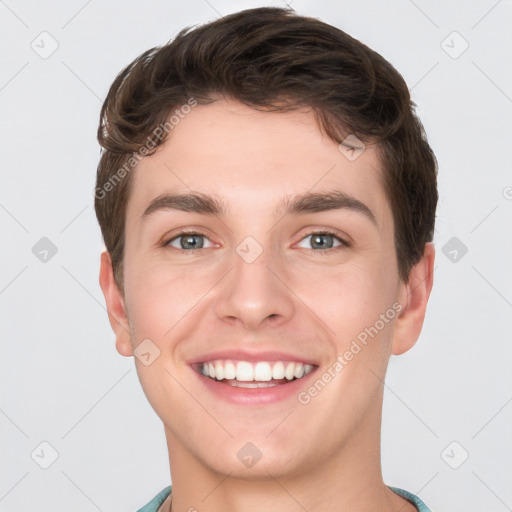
157	501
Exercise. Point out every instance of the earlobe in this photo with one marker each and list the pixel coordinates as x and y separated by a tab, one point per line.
415	295
115	306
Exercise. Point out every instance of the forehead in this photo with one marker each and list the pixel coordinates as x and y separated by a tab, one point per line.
253	161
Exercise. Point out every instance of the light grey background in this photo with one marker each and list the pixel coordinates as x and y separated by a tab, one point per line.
62	380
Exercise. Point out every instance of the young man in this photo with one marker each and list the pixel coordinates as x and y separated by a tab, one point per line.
267	200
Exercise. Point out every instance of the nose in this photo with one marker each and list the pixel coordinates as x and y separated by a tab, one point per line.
255	294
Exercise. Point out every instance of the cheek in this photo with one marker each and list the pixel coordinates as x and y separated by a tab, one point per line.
161	295
348	299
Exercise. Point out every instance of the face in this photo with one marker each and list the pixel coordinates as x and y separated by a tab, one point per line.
288	301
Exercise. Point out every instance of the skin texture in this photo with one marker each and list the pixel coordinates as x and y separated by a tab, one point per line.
324	455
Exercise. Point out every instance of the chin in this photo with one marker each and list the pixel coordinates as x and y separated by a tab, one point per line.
255	460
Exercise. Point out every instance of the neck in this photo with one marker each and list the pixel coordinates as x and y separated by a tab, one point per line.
349	479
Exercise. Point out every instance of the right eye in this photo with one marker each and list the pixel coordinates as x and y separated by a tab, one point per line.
187	241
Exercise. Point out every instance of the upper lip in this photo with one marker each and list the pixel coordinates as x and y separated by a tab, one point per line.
252	356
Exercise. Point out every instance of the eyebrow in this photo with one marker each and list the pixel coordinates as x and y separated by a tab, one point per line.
309	202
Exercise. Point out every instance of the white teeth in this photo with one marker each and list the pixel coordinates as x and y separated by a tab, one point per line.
229	370
260	372
278	370
219	370
237	384
290	370
299	371
244	371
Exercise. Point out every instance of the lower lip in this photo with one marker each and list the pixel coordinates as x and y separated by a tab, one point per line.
254	396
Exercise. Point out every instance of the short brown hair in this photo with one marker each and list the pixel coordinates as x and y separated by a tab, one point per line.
273	59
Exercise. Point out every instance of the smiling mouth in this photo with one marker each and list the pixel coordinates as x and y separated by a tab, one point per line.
244	374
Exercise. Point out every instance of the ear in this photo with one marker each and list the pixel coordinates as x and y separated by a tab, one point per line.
115	306
414	297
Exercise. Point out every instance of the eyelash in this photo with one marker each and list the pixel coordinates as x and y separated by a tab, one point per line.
343	243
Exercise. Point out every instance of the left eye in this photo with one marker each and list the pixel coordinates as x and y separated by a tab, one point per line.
323	241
